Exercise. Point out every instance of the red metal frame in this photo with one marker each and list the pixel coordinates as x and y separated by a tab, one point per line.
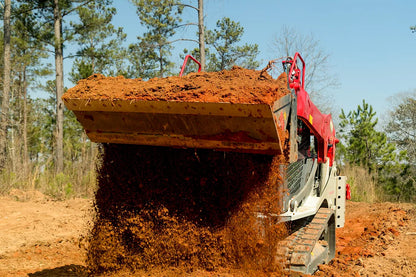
295	82
184	64
320	124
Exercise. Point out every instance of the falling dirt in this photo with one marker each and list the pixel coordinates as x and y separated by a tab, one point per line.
184	208
237	85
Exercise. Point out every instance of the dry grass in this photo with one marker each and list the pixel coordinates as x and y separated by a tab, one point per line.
363	184
77	180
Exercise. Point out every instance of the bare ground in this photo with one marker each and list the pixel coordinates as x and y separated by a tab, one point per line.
41	237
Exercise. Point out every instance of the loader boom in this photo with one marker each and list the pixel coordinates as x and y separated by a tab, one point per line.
321	125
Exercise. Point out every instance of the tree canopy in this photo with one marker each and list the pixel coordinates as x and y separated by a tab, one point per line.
224	50
100	42
362	144
401	127
161	19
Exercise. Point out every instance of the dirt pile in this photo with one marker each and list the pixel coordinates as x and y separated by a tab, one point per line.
237	85
365	243
184	208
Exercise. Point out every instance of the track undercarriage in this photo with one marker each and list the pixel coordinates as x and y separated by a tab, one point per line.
311	245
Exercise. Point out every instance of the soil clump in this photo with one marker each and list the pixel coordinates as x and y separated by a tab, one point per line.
237	85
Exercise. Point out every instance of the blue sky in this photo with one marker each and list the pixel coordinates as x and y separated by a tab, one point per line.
371	46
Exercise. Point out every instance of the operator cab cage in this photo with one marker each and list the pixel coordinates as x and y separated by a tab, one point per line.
321	125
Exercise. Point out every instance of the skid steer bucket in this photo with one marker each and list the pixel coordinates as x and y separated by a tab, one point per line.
251	128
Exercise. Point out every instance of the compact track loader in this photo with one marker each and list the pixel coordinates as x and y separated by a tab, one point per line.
314	202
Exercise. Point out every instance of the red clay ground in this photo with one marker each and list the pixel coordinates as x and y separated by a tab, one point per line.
40	237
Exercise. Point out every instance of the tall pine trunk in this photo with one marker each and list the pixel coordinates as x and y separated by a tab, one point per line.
6	85
25	113
161	69
59	136
201	33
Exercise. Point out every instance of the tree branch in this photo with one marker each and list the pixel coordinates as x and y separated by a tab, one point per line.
72	56
187	24
81	4
169	42
186	5
182	39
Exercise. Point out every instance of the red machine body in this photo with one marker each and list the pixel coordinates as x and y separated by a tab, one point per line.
320	124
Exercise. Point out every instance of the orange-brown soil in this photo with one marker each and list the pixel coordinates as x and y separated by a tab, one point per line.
377	240
43	238
237	85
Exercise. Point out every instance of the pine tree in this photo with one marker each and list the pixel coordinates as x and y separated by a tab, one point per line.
100	42
161	19
225	50
52	14
6	83
142	62
362	144
28	53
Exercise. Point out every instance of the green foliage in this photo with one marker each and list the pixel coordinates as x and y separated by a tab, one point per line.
58	185
224	41
142	62
413	29
362	144
28	51
100	42
368	148
401	130
399	182
43	12
161	19
78	177
401	126
41	128
222	51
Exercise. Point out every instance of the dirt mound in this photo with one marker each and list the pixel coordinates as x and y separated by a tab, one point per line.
364	244
237	85
184	208
27	195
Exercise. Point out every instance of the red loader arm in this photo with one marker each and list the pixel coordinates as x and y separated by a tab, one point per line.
321	125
